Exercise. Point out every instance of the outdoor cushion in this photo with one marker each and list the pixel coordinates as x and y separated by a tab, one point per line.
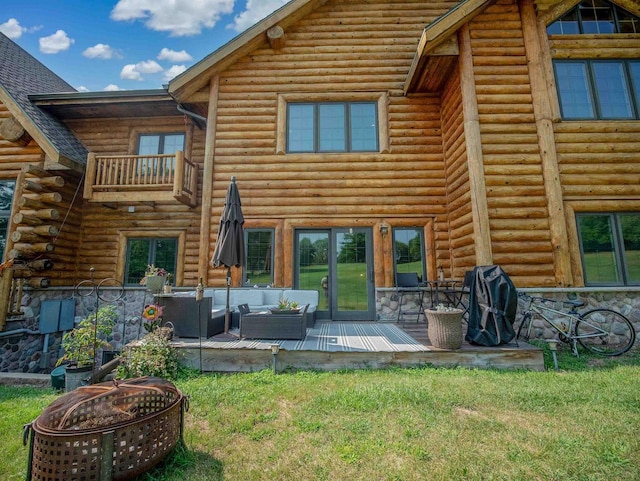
271	297
302	297
252	297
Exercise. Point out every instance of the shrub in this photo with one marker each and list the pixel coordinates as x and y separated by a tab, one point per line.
153	355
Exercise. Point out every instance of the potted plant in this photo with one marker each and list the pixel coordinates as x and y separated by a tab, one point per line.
154	278
445	327
83	341
167	283
285	306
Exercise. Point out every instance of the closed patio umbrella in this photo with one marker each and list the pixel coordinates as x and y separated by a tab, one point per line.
229	250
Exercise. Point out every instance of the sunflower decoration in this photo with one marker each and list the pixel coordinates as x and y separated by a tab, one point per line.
153	314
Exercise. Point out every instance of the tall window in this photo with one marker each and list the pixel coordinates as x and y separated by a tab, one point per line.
595	17
332	127
610	247
152	144
408	246
141	252
6	197
259	252
598	89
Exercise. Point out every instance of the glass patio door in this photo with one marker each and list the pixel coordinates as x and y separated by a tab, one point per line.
338	263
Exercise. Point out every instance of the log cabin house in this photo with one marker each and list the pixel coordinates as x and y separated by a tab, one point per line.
387	135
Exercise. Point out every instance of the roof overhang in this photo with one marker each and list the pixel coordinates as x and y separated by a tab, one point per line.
438	48
199	75
119	104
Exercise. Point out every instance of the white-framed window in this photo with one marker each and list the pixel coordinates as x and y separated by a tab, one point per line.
610	247
598	89
7	188
258	269
595	17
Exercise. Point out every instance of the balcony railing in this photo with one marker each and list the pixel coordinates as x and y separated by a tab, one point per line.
131	178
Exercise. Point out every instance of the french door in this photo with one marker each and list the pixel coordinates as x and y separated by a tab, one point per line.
338	263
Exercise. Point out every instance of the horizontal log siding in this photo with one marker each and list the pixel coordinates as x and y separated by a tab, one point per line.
341	47
516	197
458	194
101	225
599	160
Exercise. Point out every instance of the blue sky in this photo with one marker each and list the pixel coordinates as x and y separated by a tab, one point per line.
100	45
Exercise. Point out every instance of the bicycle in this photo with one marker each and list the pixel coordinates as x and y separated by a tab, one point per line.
601	331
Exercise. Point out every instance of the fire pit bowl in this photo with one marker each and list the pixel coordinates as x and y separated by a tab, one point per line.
109	431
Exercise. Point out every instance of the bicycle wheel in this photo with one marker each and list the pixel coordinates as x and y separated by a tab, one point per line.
605	332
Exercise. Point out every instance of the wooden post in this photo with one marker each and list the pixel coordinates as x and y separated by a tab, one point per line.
6	279
207	181
178	178
90	176
277	37
477	187
546	140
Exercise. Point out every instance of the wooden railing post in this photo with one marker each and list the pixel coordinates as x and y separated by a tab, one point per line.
90	176
178	178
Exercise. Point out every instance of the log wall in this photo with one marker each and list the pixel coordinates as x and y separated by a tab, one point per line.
517	205
461	231
12	156
357	46
102	225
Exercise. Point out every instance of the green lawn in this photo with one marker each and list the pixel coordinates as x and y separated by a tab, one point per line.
581	423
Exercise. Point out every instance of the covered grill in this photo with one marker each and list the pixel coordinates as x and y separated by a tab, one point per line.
112	430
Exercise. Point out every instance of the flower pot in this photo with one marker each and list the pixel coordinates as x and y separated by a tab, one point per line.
155	283
74	377
166	289
445	328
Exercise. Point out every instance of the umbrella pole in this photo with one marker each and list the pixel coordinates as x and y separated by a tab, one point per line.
227	313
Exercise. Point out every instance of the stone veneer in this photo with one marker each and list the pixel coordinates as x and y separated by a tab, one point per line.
623	300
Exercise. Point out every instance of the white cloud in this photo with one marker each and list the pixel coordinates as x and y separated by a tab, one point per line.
174	71
101	50
82	88
112	88
56	43
135	71
178	17
256	10
174	56
12	28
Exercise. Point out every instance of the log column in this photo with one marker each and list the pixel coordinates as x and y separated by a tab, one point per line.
207	181
543	112
475	161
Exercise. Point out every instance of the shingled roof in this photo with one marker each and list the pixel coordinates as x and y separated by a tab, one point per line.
21	75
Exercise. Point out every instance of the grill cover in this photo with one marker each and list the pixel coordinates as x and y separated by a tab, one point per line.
493	302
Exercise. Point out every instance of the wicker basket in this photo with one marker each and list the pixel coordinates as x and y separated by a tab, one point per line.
445	328
106	431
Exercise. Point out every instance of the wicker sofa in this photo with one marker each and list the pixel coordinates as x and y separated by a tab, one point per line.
257	298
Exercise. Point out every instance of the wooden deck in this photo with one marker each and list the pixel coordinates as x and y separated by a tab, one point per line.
351	345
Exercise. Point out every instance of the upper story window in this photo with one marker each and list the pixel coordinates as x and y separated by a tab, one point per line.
598	89
610	248
595	17
7	188
157	144
332	127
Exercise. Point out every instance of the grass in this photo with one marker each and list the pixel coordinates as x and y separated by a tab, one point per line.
580	423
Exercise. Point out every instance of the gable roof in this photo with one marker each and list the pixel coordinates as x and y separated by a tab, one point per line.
20	75
199	75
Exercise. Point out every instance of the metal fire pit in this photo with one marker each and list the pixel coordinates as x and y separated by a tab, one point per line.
107	431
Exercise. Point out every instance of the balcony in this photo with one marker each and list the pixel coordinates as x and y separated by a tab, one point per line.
141	178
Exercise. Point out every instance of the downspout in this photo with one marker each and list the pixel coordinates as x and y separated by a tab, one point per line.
201	121
16	332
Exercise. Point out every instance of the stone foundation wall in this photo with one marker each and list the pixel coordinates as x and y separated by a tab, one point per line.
624	300
25	351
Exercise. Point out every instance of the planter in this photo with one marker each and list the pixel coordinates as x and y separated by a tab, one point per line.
285	311
74	377
155	283
445	328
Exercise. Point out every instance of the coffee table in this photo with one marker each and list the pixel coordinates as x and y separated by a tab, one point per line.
265	325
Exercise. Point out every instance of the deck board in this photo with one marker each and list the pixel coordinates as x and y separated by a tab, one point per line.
352	345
